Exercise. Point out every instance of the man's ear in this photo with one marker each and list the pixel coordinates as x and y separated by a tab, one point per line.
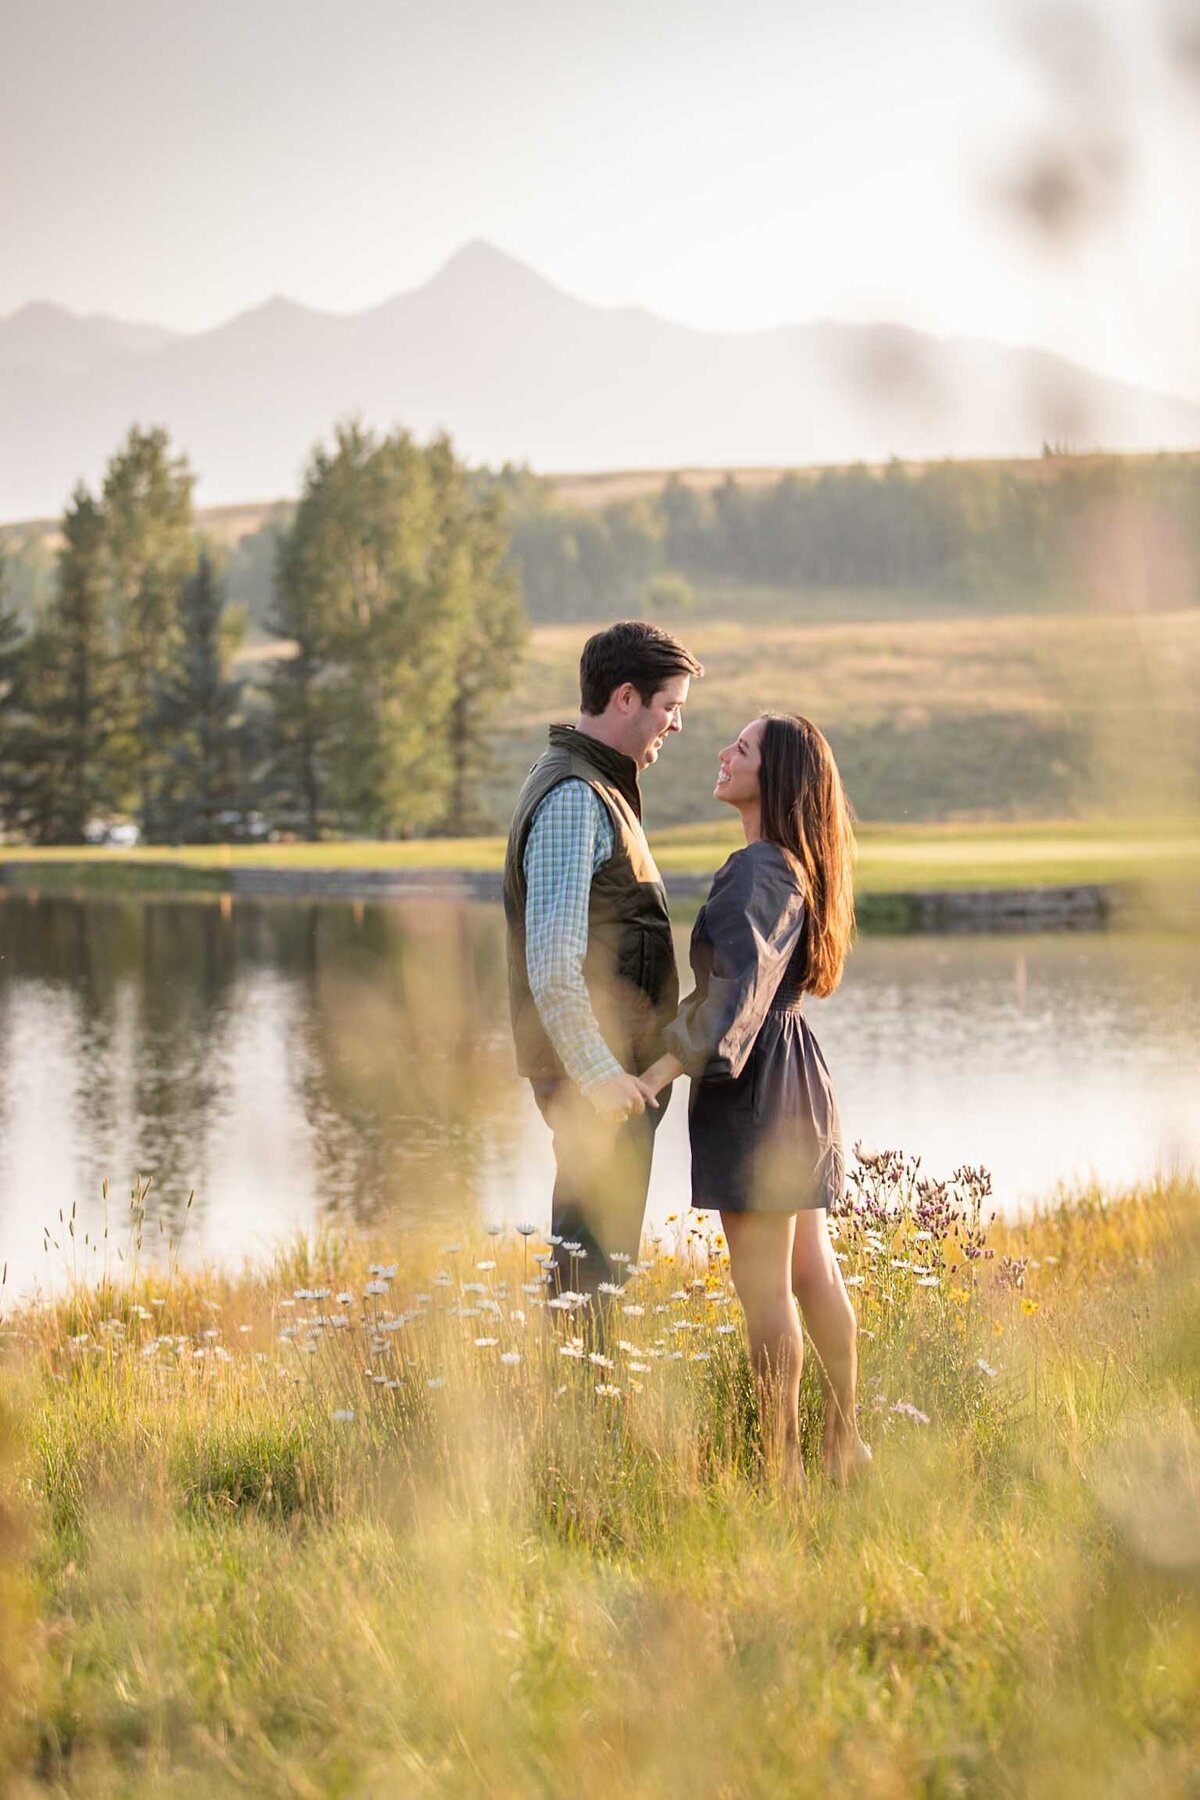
627	696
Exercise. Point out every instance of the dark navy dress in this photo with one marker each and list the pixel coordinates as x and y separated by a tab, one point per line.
763	1121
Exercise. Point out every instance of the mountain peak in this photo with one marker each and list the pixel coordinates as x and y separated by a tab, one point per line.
480	265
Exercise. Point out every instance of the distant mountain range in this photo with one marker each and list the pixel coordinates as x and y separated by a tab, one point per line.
519	371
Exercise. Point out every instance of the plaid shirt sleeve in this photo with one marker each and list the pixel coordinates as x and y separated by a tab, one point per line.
570	839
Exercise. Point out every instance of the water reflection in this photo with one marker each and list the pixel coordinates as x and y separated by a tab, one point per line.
293	1061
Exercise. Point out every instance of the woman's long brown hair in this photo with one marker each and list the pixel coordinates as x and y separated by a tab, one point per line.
803	808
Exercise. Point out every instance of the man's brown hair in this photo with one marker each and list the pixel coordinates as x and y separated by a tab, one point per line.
630	651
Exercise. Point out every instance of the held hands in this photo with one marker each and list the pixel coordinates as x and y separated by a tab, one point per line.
625	1096
621	1097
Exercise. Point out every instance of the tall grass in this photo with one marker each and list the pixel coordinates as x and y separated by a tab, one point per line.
384	1519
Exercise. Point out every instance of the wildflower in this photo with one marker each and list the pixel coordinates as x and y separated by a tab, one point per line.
345	1299
451	1249
700	1356
724	1330
929	1281
572	1246
442	1279
611	1287
385	1271
960	1295
526	1230
510	1356
531	1287
609	1392
488	1264
342	1415
474	1287
436	1381
374	1287
573	1349
620	1256
633	1312
495	1228
853	1280
1028	1306
983	1364
486	1343
911	1412
601	1362
640	1368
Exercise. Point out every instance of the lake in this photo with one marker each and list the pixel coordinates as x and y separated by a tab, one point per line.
289	1063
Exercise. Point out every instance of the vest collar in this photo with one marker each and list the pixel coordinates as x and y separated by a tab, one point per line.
616	768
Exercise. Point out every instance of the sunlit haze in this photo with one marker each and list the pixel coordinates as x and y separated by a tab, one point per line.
725	167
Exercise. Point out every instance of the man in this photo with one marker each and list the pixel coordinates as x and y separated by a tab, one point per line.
591	967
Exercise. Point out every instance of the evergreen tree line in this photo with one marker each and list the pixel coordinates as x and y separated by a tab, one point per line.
122	698
973	529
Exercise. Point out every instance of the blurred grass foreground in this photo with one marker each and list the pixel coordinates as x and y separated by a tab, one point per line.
355	1525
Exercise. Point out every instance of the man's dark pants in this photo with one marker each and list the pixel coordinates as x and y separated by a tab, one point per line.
602	1173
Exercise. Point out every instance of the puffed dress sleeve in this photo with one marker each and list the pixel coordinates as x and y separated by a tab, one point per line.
752	921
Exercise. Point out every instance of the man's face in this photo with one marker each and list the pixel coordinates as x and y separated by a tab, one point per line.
648	727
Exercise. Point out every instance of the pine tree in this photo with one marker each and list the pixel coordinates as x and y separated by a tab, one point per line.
150	543
12	640
198	719
78	626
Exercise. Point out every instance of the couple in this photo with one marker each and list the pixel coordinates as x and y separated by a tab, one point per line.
601	1034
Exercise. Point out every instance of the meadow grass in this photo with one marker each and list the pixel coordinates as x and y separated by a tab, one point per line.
374	1519
1013	717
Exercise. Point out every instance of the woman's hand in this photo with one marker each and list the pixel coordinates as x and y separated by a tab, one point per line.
659	1075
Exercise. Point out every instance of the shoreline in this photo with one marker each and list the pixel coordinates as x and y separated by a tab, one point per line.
1075	906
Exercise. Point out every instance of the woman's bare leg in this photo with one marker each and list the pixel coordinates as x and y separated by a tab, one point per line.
760	1257
829	1319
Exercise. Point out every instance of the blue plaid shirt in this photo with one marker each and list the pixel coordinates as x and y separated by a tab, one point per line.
570	839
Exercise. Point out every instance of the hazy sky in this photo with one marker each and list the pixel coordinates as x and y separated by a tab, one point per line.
726	165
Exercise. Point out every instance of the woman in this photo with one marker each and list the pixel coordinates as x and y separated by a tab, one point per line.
766	1140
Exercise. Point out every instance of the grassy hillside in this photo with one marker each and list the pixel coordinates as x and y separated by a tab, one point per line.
1004	718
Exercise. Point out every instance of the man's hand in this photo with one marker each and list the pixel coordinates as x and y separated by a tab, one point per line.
621	1097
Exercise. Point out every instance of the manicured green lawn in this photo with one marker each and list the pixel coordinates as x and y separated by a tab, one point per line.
892	859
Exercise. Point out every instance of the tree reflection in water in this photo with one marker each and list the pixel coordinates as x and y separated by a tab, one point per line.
386	1025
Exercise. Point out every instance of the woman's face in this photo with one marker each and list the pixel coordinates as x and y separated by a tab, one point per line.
737	783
